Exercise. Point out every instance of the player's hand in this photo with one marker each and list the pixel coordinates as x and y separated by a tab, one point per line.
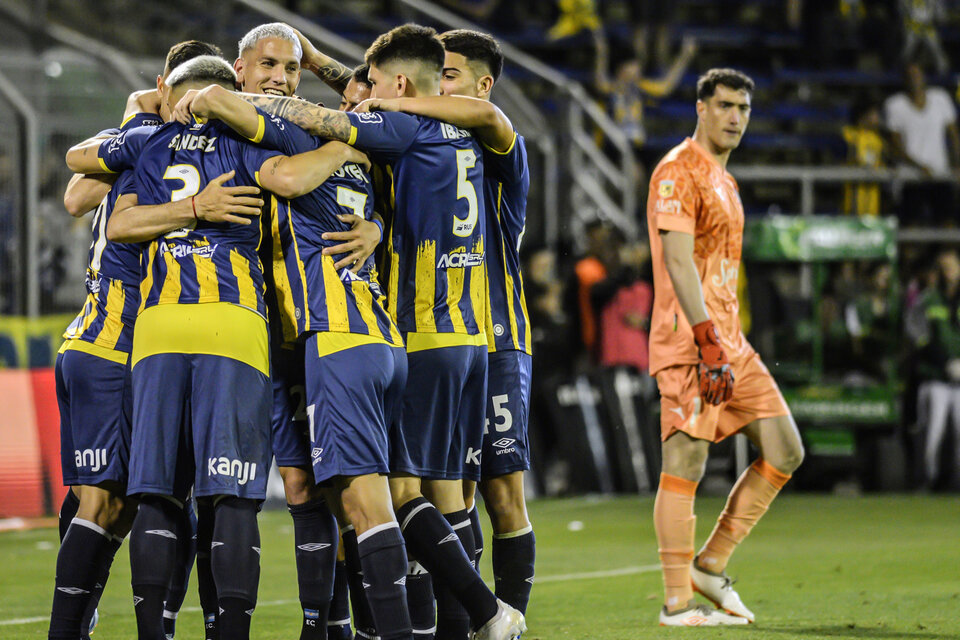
311	55
716	377
217	203
358	243
350	154
183	112
378	104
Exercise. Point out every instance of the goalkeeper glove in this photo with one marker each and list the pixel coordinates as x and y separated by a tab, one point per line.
716	377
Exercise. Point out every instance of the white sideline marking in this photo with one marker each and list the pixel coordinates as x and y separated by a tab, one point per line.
590	575
565	577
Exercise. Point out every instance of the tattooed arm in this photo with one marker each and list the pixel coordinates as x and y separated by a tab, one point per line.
320	121
334	75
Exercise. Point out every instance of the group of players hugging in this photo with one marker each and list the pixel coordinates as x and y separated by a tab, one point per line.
235	312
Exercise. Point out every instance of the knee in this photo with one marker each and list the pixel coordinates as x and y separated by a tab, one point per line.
105	509
790	459
687	462
403	491
299	486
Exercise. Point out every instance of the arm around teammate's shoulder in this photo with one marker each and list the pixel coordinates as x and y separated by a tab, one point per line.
294	176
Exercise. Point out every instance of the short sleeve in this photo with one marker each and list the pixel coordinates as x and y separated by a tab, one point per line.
673	202
141	120
278	134
123	151
508	166
253	158
383	134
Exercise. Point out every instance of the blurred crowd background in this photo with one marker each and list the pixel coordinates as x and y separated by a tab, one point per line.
849	174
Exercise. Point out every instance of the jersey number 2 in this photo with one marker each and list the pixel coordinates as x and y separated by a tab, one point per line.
190	177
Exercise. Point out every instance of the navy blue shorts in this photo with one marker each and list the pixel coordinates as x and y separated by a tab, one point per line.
289	425
443	412
96	404
354	396
506	445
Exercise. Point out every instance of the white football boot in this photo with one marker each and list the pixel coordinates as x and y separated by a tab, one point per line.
718	589
698	615
508	624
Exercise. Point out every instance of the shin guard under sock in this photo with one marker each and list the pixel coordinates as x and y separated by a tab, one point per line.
186	554
82	553
437	547
153	556
384	561
338	622
315	539
235	561
453	622
206	588
362	619
420	601
513	561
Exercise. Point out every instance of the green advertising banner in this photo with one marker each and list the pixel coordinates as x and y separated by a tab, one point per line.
840	406
780	238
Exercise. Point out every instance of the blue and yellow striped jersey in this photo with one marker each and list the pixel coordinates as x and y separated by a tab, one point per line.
506	180
435	268
113	269
112	282
310	294
211	262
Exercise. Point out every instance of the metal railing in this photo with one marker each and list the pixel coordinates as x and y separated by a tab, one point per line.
610	186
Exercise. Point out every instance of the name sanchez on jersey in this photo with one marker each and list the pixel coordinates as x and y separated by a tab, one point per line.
191	142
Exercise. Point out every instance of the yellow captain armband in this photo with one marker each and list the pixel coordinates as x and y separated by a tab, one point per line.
353	135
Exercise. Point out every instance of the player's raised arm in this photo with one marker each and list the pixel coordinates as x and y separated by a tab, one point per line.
294	176
320	121
83	157
132	222
84	193
219	103
334	74
491	126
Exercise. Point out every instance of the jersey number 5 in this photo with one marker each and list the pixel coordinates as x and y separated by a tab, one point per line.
463	227
190	177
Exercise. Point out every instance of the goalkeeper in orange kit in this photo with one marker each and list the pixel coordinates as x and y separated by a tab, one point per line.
712	383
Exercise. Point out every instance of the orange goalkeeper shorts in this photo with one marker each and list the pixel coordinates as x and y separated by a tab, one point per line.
755	396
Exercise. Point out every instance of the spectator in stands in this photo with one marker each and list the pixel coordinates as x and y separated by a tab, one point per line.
623	302
600	259
921	120
936	337
920	19
627	90
871	323
575	16
865	148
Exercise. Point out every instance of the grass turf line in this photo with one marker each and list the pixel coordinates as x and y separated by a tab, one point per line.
880	567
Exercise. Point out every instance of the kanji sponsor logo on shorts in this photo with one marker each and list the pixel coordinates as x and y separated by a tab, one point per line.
242	470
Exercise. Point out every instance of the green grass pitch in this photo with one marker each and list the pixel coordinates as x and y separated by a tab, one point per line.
816	567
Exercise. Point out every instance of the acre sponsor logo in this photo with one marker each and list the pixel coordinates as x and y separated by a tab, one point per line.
460	258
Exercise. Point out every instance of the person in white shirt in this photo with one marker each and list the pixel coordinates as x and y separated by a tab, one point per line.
923	124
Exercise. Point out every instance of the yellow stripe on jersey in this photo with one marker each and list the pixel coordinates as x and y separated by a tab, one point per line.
128	119
113	325
215	328
281	279
147	285
300	269
103	165
171	287
207	284
120	357
364	298
513	143
335	297
240	267
393	288
454	294
507	278
329	342
424	341
258	136
527	337
479	293
353	135
425	286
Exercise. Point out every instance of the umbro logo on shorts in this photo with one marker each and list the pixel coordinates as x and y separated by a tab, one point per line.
503	443
313	546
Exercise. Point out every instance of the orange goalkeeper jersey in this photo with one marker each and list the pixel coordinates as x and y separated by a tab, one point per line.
691	193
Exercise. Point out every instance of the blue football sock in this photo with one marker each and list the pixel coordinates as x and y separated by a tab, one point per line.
384	560
513	566
315	539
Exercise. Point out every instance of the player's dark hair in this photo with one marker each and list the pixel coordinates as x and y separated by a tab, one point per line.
730	78
475	46
188	50
360	74
408	42
204	70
